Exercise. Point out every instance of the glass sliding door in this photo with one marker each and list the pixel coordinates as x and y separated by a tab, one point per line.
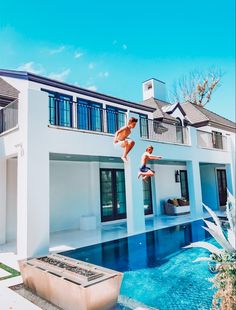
113	203
60	109
95	116
147	197
82	115
89	115
222	186
107	200
65	110
120	192
115	119
184	184
143	126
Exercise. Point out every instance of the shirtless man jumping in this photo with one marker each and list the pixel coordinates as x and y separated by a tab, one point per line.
145	171
121	136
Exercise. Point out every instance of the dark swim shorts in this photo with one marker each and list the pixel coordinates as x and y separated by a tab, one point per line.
144	168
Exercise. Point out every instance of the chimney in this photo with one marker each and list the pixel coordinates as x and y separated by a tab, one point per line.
154	88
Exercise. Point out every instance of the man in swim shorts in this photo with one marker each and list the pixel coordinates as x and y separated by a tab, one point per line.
145	171
121	136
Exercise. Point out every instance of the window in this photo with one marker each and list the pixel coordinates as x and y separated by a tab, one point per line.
115	118
217	140
113	202
60	109
89	115
184	184
147	197
143	126
222	186
179	131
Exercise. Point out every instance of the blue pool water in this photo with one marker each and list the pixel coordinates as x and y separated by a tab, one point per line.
157	270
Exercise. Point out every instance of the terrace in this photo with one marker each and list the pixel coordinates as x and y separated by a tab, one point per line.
9	116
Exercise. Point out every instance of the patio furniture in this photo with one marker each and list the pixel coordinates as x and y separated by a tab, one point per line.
177	206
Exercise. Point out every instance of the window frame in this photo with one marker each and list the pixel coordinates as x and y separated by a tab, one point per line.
186	184
56	108
216	142
89	105
143	117
115	216
148	212
116	110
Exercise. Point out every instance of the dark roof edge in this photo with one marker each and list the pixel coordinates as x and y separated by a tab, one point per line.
178	105
218	125
154	79
47	81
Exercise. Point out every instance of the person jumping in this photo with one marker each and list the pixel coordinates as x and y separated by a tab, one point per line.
121	136
145	171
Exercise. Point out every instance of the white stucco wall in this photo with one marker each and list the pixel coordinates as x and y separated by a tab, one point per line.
165	185
69	194
209	185
11	214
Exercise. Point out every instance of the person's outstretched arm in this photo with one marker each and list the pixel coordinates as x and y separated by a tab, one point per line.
153	157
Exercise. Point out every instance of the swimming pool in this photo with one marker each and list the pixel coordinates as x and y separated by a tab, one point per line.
157	271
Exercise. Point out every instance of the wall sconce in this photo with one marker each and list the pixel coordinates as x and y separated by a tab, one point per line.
177	176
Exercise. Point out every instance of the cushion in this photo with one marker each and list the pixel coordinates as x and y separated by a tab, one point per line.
175	202
183	202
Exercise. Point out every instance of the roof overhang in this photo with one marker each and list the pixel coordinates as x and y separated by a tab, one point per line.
61	85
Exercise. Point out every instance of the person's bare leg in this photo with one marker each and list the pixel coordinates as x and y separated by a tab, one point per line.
145	178
139	174
127	148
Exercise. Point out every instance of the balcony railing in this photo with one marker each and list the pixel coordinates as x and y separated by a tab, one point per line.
9	116
211	140
163	132
66	113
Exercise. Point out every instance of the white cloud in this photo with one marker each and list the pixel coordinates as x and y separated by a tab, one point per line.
78	54
92	87
103	74
32	67
91	65
57	50
60	76
124	46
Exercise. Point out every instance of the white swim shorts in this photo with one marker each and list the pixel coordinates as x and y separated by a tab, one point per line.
118	144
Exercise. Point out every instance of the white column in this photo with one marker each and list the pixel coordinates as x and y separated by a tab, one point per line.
95	206
194	187
33	178
33	204
134	187
3	207
230	179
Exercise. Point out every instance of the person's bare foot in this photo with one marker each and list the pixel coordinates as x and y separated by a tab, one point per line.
145	179
125	160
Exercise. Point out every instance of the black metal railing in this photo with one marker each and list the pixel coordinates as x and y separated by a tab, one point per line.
67	113
163	132
9	116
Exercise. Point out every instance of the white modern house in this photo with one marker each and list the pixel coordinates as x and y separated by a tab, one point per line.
60	171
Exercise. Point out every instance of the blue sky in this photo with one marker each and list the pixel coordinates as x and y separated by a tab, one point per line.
112	46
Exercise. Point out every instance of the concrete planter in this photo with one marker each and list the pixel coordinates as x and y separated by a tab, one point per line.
71	284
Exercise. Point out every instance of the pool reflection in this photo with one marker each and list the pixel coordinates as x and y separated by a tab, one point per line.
140	251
